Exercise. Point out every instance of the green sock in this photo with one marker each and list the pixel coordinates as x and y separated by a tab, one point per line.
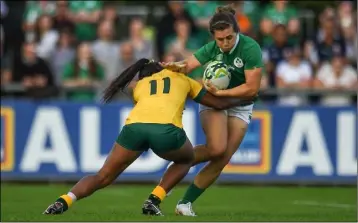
191	194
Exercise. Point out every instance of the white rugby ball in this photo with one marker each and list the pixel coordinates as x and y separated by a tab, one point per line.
218	74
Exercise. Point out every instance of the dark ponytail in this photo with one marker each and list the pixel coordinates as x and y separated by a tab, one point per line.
223	18
145	68
122	80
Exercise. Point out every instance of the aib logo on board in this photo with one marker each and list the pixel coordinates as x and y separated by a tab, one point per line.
7	139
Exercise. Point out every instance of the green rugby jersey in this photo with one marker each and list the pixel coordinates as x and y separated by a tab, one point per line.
245	55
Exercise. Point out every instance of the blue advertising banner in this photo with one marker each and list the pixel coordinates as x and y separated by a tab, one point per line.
66	141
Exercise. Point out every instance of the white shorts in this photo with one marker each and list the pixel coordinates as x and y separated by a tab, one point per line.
242	112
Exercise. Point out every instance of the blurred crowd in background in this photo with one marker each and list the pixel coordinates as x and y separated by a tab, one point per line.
49	46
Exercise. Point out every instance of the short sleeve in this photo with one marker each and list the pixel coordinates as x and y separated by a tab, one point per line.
205	53
253	57
196	90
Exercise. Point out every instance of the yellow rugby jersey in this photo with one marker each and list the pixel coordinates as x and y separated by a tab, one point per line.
161	98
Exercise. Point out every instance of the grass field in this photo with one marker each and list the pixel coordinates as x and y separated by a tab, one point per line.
220	203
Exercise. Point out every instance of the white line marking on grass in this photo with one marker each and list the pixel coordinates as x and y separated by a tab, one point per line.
332	205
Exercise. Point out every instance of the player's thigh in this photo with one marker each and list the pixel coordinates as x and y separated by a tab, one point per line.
117	161
214	124
185	154
238	122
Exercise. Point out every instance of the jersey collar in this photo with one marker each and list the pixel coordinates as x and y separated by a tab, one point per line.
237	42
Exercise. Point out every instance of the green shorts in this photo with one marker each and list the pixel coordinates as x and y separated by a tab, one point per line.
160	138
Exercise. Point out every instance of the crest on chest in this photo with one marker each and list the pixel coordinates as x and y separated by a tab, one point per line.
238	62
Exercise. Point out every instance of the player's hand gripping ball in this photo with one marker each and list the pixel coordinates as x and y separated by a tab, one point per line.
218	74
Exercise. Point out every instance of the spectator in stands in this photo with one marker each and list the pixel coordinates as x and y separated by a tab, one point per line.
126	57
351	42
183	42
326	45
110	14
202	11
345	15
336	75
293	73
328	13
61	18
243	20
253	10
30	70
4	11
348	24
63	54
170	57
35	9
5	71
83	72
165	26
85	15
2	40
45	37
276	51
264	80
105	49
279	13
143	48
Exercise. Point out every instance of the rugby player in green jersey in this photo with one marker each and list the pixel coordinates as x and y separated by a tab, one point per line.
224	130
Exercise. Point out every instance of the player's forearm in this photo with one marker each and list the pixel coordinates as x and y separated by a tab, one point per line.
243	91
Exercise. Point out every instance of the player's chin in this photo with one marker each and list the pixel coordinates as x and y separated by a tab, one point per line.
226	49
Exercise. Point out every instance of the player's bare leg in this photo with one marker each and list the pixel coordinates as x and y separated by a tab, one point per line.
216	129
117	161
215	144
182	161
211	171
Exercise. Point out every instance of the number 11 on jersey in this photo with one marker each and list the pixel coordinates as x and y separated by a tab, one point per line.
154	86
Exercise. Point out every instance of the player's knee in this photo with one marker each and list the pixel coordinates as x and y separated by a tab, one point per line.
217	151
104	179
188	158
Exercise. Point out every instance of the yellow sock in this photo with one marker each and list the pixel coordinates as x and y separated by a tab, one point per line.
159	192
68	199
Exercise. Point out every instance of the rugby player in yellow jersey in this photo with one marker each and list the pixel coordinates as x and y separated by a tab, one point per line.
155	122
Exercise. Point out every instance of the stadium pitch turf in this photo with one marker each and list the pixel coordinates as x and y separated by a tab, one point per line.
220	203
